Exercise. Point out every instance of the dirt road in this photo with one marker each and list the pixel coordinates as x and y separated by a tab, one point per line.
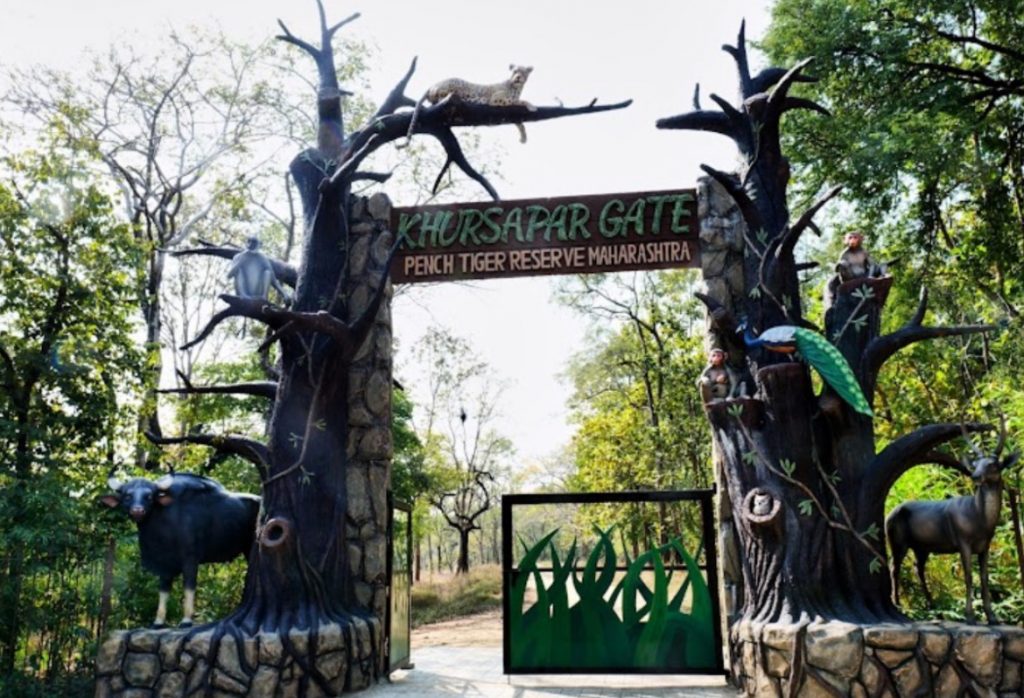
482	630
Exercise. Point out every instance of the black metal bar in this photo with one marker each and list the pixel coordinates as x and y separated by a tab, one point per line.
506	580
711	557
603	497
389	570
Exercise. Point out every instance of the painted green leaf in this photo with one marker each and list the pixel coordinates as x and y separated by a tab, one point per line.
646	654
831	364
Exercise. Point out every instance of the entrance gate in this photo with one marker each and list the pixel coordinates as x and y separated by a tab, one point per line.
570	604
620	582
400	590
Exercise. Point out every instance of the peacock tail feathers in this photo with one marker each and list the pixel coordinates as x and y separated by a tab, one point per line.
828	361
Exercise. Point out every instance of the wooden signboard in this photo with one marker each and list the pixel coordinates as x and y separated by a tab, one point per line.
532	237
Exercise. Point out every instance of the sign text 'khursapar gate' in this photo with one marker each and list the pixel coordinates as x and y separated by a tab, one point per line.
563	235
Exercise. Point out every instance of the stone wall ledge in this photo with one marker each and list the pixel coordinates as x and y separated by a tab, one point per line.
846	659
172	663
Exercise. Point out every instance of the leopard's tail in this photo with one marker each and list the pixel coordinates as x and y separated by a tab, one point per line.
412	122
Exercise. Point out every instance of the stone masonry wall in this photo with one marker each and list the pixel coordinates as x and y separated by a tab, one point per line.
174	663
369	397
721	255
841	659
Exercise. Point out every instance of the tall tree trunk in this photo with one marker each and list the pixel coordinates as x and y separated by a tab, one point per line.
10	595
148	455
495	541
107	588
1014	500
463	565
419	546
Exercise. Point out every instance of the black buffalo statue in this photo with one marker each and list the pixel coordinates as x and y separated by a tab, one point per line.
185	520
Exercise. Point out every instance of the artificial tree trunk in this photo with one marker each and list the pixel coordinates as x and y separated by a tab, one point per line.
806	483
313	558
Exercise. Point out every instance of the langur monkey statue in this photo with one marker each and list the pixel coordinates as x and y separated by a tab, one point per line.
253	273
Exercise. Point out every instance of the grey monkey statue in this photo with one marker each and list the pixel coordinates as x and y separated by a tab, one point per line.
253	273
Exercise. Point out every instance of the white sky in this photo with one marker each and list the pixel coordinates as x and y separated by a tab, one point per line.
652	51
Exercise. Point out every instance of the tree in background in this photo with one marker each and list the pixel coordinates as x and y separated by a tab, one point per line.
66	358
182	133
928	134
463	451
641	423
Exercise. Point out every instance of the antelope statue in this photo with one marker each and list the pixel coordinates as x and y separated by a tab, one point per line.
962	525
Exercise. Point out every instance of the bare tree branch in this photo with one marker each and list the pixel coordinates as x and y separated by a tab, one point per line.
751	215
396	98
249	449
883	347
267	389
792	235
906	452
285	273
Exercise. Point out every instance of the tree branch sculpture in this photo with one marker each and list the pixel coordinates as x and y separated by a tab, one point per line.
314	553
823	555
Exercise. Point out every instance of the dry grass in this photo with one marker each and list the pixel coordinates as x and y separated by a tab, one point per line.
446	597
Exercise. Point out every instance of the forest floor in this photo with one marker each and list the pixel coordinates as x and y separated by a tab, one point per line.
477	630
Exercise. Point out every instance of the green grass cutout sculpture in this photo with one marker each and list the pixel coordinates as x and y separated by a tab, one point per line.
590	634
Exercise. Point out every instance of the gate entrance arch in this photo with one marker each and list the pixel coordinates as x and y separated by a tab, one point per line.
651	610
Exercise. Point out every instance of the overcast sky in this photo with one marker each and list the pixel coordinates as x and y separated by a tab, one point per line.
651	51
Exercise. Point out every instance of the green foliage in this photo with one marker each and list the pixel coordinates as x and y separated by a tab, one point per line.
641	420
409	481
67	360
605	629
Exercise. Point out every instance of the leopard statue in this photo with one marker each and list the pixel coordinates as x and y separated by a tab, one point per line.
501	94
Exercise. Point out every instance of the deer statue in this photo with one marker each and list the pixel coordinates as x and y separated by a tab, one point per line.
962	525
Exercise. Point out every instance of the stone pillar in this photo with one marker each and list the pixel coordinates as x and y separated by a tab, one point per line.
722	231
369	404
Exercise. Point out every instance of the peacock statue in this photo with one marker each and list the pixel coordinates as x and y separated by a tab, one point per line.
821	354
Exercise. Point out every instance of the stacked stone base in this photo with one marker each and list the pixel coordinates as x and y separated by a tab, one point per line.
173	663
842	659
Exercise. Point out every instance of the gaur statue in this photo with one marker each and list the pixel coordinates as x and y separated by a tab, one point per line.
184	520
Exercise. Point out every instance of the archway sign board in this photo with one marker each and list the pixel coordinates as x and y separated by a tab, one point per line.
533	237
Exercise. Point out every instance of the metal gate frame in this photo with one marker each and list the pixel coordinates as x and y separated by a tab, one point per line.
709	536
394	662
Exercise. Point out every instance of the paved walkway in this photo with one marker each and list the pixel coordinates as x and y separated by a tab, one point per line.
476	672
